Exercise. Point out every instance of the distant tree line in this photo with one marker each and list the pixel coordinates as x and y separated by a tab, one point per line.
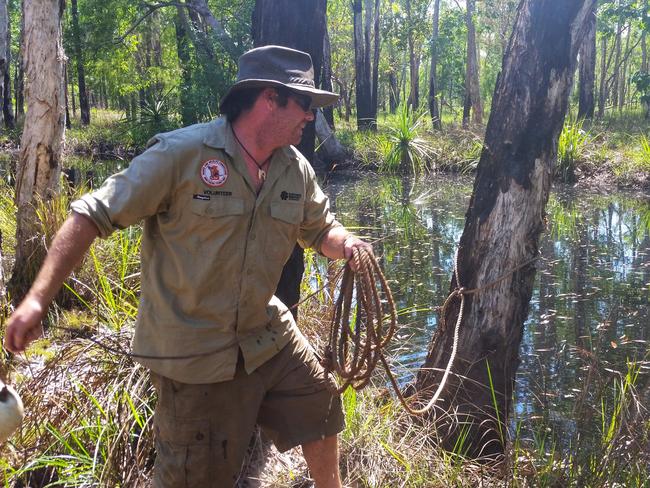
167	63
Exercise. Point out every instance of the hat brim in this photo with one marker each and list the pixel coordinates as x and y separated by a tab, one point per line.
319	98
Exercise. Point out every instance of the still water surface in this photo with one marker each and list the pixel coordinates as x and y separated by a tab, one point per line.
592	291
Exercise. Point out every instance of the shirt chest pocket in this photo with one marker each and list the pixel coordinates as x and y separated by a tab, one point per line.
286	218
217	223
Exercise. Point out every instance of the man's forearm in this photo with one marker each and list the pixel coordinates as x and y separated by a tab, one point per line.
68	247
66	251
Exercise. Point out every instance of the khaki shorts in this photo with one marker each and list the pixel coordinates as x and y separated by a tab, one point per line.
203	431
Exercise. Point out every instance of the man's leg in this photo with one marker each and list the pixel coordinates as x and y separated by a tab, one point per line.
322	458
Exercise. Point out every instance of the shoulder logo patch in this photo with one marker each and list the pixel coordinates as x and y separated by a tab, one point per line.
214	172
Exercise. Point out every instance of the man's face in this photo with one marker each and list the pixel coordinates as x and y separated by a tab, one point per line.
290	120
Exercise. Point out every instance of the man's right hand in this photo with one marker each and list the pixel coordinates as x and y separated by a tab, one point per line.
25	325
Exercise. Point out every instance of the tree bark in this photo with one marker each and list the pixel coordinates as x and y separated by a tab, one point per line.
326	78
587	70
299	25
503	224
39	165
472	104
84	106
414	65
362	67
433	84
602	95
181	23
5	64
331	150
374	87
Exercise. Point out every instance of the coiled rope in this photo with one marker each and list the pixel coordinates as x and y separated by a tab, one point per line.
355	347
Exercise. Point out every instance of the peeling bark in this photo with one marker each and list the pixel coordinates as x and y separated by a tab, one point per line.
39	165
503	224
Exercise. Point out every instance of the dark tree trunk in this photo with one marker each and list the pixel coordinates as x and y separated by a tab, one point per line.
375	62
72	98
299	25
472	103
414	65
365	119
81	74
587	70
433	85
5	65
501	238
326	78
188	114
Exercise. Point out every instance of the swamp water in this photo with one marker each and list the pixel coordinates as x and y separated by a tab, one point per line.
590	310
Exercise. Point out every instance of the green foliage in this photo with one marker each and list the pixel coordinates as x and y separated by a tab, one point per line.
570	149
409	151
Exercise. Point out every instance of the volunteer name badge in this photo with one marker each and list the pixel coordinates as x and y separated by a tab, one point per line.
214	172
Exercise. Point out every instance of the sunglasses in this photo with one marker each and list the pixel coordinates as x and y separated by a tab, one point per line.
303	101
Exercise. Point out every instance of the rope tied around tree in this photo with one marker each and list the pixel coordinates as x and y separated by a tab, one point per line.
355	348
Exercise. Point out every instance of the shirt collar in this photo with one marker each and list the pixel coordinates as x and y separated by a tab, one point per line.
219	136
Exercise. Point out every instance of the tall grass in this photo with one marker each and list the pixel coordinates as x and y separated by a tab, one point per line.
408	152
570	149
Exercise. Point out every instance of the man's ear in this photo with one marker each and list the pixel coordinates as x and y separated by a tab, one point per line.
269	97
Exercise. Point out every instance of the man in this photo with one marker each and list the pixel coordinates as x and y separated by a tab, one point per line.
224	204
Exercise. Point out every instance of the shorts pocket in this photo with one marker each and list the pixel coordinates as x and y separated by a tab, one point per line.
184	454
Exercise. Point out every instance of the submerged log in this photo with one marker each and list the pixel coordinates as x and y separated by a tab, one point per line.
503	224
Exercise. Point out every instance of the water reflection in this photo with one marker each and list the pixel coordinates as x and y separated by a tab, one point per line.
591	298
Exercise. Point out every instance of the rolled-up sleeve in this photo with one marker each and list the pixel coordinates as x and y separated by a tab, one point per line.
141	190
318	220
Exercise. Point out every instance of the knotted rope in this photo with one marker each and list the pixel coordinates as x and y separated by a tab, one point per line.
355	347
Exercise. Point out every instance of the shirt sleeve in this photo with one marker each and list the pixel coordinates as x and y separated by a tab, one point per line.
141	190
317	219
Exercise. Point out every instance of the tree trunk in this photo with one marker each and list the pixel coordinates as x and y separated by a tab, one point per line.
326	78
5	63
602	95
414	65
40	146
299	25
331	150
472	104
617	60
587	70
68	121
222	37
503	225
19	85
362	67
623	79
81	74
433	85
181	23
375	62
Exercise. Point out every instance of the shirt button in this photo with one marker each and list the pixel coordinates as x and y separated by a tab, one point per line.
200	436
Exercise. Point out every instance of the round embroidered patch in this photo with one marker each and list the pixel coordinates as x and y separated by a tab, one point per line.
214	172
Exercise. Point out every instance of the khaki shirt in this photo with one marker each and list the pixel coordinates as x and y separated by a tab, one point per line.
212	250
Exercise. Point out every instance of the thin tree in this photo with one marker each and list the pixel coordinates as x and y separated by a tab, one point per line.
500	242
472	105
5	64
433	84
84	106
39	165
587	70
366	116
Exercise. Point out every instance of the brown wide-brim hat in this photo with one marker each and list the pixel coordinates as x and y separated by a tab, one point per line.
279	66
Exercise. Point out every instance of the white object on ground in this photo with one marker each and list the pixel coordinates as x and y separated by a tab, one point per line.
11	411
